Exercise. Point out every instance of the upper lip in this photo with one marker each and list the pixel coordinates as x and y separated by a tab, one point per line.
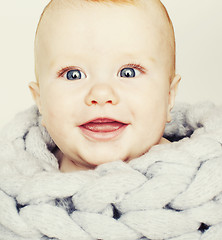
103	120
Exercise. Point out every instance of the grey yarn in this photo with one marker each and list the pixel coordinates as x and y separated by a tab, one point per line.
172	192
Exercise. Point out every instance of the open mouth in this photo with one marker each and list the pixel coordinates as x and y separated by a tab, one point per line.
102	129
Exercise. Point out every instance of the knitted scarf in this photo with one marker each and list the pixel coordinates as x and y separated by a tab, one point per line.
172	192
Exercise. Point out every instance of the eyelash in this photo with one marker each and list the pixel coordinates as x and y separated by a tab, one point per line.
136	66
61	72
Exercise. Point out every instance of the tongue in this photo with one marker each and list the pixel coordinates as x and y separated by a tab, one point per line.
103	126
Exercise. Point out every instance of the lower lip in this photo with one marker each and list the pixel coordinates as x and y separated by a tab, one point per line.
103	136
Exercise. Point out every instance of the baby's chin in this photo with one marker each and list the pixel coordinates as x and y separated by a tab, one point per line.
91	159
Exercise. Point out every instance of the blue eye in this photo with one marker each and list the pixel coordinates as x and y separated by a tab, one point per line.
75	75
129	72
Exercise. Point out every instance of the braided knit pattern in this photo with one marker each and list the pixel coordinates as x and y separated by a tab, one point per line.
172	192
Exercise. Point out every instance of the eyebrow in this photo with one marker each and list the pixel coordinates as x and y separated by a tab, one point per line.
69	60
152	59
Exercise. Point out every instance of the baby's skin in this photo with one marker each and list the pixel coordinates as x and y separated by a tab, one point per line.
106	79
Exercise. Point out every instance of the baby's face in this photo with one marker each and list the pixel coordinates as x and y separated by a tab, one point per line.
104	82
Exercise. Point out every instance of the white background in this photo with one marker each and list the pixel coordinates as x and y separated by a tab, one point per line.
198	28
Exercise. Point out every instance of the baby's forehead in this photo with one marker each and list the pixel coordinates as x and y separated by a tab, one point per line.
150	14
147	5
154	10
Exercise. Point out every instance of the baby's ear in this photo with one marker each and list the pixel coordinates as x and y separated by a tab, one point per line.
172	94
35	91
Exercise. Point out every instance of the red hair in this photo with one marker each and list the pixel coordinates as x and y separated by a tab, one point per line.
113	1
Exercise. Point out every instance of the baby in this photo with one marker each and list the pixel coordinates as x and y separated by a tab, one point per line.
106	78
105	87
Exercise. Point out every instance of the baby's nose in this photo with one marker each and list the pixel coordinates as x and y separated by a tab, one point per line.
101	94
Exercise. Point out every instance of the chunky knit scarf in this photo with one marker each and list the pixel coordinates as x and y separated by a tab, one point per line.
172	192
